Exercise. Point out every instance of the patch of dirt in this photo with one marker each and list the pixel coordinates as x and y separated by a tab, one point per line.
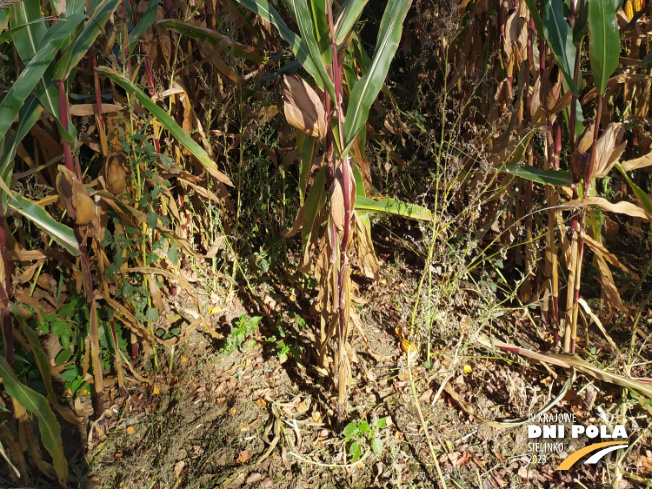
248	419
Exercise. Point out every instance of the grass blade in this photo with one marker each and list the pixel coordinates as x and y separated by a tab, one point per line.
92	29
149	17
302	16
347	17
299	48
27	117
213	37
545	177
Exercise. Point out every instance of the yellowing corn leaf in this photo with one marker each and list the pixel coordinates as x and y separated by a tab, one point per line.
608	286
303	108
91	109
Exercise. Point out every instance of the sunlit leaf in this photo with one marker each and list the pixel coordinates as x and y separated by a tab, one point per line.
366	89
605	40
392	206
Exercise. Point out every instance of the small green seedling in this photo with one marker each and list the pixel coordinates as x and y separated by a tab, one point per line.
366	433
243	327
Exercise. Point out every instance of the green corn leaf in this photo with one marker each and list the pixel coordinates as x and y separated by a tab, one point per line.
392	206
9	34
37	38
367	88
86	38
33	73
43	364
604	39
307	145
167	122
212	37
318	11
549	177
314	202
299	48
29	40
301	14
149	17
75	7
27	117
560	38
38	405
347	17
59	232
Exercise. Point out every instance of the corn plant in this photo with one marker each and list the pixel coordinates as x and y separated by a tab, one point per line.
331	112
51	43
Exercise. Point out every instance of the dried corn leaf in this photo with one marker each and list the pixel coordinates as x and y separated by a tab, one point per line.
621	207
636	163
608	149
303	107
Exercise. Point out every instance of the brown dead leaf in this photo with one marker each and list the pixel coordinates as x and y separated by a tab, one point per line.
303	107
244	457
255	477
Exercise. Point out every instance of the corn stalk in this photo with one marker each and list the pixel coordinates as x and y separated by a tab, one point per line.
322	114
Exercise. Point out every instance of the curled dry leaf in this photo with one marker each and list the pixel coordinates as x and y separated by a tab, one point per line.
515	43
303	107
550	87
608	149
535	100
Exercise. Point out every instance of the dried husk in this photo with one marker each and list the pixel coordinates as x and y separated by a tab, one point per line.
75	197
337	205
114	172
303	107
